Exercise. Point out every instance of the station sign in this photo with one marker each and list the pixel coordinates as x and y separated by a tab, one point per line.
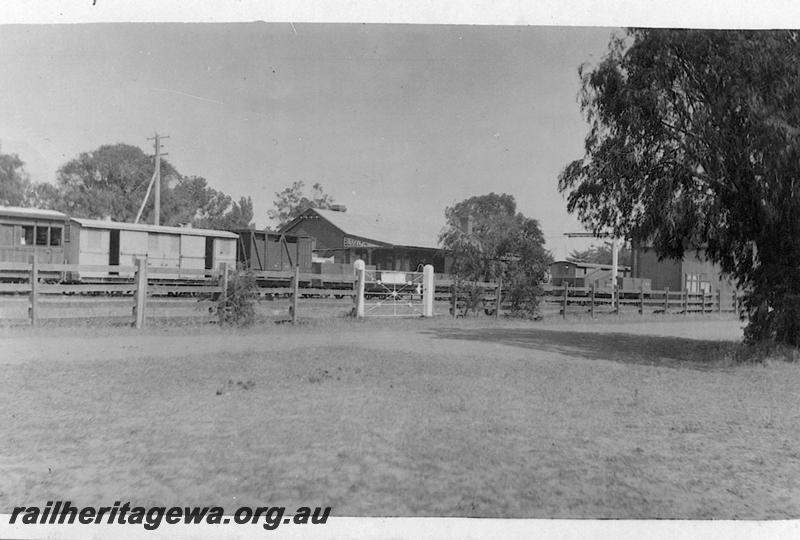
354	243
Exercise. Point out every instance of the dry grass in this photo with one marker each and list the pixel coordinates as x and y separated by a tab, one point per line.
450	418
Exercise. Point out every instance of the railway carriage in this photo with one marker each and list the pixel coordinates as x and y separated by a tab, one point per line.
105	242
25	231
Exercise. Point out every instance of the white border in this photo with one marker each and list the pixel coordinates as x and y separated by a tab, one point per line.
671	13
423	529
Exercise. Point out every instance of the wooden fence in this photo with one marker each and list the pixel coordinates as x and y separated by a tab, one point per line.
591	301
152	296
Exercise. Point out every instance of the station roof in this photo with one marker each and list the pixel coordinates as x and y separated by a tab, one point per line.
18	211
144	227
379	229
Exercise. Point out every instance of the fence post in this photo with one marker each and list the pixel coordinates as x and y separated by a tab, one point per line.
454	300
499	297
566	292
140	293
666	301
734	303
360	269
33	310
428	290
295	292
591	305
615	295
223	282
685	298
641	299
719	300
703	302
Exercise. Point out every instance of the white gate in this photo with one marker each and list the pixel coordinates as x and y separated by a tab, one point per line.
392	293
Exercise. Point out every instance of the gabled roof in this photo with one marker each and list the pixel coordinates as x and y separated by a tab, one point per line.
18	211
377	228
144	227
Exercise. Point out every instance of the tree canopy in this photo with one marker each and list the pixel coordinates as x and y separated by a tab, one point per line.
693	144
490	240
15	186
293	201
112	181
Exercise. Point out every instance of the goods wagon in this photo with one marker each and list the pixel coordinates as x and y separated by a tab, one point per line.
105	242
264	251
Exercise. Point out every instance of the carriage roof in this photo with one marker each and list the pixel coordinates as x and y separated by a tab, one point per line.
144	227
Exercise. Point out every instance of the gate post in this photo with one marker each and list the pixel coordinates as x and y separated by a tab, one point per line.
428	290
359	267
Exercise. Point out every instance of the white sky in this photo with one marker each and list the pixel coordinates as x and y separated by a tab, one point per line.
397	120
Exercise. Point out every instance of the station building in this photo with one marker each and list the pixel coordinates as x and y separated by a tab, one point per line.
343	237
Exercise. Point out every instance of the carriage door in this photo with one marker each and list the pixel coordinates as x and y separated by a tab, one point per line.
209	253
113	248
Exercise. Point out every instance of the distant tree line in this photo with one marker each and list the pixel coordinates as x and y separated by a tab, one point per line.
112	181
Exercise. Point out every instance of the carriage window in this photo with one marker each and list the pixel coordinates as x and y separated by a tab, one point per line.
55	236
6	235
41	236
27	235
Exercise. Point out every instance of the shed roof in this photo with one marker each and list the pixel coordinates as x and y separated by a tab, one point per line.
591	265
407	233
144	227
18	211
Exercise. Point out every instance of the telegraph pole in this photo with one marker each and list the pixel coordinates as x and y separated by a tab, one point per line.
157	176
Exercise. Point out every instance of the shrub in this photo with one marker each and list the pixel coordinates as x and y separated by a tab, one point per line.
237	306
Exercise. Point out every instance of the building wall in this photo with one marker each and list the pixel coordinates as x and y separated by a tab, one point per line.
673	273
662	274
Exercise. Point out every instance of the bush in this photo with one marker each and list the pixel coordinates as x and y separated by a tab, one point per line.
525	297
237	306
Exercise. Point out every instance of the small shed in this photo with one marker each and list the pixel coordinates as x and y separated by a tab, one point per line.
580	274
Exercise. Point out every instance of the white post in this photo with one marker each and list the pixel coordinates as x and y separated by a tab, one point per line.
428	290
614	260
361	274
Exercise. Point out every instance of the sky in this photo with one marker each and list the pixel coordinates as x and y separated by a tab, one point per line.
394	120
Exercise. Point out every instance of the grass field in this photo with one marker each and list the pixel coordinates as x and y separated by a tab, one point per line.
410	418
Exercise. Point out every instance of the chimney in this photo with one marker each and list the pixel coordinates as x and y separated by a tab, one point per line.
107	217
